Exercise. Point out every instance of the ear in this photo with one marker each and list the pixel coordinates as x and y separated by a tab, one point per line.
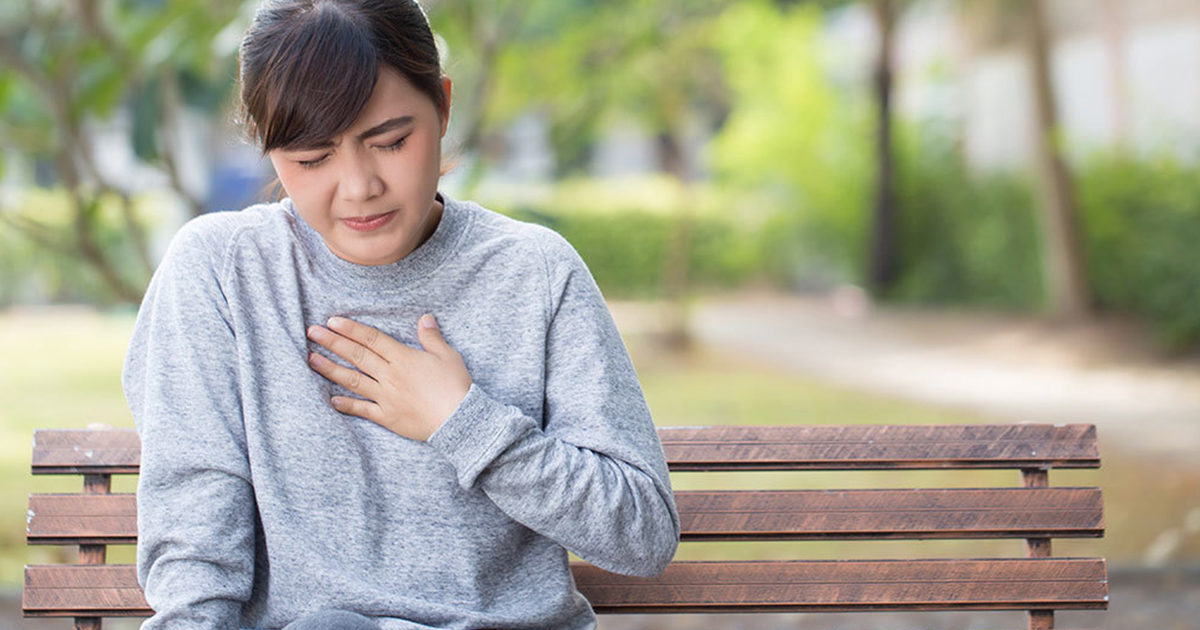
447	87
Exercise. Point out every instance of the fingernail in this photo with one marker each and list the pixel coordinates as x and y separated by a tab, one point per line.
335	322
314	359
315	332
427	321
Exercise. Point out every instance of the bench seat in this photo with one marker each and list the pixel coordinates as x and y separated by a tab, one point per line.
1034	511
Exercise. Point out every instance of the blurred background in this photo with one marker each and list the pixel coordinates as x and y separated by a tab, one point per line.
872	211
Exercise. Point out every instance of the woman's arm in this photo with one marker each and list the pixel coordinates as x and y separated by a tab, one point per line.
196	512
594	479
592	476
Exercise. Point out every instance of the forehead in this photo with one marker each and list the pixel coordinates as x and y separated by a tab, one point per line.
394	95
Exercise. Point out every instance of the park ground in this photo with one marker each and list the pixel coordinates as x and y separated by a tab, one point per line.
754	355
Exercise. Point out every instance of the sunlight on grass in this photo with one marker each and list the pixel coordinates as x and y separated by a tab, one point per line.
61	367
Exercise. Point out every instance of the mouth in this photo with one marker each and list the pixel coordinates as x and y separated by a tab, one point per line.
368	223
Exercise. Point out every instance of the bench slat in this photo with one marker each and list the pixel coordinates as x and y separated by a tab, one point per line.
86	451
724	515
891	514
780	586
866	447
81	519
79	451
846	586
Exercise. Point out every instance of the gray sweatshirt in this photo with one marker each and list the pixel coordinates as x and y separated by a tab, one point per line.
259	503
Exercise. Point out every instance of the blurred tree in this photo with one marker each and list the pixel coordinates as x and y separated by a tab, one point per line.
70	63
797	137
580	63
1066	279
1114	38
883	269
477	33
1068	294
666	76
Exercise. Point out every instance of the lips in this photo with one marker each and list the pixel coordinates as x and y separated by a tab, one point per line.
368	223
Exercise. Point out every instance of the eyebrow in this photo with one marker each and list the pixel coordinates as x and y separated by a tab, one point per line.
386	126
381	128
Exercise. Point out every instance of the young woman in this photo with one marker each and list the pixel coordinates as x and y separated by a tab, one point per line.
370	405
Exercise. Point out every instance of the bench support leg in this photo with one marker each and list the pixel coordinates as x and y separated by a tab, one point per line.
93	554
1038	547
1041	620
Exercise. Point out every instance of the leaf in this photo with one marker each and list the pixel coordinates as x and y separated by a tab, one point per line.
146	106
103	90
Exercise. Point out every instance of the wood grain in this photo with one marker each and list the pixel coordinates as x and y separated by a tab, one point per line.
891	514
56	519
866	447
1036	513
853	447
85	451
860	585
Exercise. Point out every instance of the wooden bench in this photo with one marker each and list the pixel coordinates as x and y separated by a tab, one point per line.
1035	512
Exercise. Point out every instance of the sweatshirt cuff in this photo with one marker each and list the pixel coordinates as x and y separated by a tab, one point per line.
478	431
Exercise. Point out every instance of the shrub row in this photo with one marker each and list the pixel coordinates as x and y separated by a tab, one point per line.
628	251
963	239
975	240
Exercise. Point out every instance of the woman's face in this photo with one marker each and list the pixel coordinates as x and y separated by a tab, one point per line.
370	192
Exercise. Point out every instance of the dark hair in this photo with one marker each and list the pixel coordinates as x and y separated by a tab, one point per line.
308	67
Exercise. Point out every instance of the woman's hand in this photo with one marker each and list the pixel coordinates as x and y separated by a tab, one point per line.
408	391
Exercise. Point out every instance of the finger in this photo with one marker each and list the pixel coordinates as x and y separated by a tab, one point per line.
368	336
352	380
357	354
364	409
430	335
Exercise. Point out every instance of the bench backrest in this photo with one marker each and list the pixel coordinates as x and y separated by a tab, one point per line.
1034	512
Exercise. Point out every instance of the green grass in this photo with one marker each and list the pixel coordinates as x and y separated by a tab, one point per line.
61	368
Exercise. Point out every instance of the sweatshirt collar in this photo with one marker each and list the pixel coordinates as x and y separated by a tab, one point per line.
415	267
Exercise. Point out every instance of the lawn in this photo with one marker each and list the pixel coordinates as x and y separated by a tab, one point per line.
61	368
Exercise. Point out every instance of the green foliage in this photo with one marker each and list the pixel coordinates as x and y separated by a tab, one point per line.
68	65
624	249
1141	222
32	272
795	134
582	62
964	238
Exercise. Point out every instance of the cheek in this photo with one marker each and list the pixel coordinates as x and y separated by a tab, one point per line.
429	162
300	183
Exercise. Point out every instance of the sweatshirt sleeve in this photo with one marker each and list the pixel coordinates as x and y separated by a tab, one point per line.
591	475
196	512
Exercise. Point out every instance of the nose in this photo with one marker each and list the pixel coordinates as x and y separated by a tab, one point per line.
360	179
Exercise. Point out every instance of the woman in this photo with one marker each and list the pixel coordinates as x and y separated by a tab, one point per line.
370	405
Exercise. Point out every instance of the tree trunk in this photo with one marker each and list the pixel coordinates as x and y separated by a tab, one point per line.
1063	265
1114	35
676	278
883	266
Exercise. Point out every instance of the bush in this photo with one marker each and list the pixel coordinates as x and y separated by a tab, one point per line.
1141	222
626	250
963	238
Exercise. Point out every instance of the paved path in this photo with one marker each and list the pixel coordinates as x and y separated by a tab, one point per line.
1010	368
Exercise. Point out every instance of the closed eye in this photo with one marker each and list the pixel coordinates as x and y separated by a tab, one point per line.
312	163
395	146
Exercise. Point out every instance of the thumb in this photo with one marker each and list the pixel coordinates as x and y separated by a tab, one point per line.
430	335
